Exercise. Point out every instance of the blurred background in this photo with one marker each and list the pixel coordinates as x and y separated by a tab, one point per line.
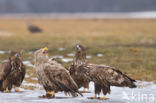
118	33
72	6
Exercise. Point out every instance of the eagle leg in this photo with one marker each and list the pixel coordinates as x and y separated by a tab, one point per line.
50	94
17	89
94	97
103	98
7	90
84	90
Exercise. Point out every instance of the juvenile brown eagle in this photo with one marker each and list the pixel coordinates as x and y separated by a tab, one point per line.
76	68
33	28
102	76
53	76
12	72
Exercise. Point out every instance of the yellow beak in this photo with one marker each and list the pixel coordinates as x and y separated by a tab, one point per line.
45	49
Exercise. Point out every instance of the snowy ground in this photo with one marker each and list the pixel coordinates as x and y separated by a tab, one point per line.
145	93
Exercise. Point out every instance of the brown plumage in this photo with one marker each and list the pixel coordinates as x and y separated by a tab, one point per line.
102	76
52	75
33	28
80	55
105	76
12	72
77	70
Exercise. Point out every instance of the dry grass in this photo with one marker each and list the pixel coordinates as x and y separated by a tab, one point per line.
128	44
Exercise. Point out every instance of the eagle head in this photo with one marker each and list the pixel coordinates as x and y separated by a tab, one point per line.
78	48
44	50
15	56
41	55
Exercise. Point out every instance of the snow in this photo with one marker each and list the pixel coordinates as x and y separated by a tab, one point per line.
2	52
99	55
61	49
70	54
57	56
88	57
28	63
67	59
118	95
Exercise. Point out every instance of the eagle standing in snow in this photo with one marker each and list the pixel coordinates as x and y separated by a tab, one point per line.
102	76
53	76
12	72
76	68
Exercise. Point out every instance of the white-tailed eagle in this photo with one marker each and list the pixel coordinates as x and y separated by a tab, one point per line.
12	72
102	76
53	76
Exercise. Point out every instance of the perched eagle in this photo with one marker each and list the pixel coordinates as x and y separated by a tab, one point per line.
102	76
33	28
12	72
76	68
53	76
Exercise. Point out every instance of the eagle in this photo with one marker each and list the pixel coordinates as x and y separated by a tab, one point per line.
76	68
103	77
33	28
53	76
12	72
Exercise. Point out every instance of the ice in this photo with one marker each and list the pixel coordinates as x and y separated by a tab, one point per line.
28	63
88	57
67	59
118	95
57	56
70	54
2	52
61	49
99	55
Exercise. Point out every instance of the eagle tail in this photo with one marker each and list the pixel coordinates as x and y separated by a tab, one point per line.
1	85
132	85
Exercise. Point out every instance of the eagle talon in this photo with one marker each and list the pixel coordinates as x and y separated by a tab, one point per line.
6	90
43	96
93	97
50	95
103	98
17	90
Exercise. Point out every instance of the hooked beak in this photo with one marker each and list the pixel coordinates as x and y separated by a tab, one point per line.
44	50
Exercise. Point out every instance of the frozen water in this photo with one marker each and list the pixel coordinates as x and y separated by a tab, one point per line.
67	59
99	55
2	52
28	63
61	49
57	56
88	57
70	54
118	95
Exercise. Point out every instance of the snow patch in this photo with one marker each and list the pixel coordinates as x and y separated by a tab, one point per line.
2	52
99	55
61	49
70	54
67	59
118	95
28	63
88	57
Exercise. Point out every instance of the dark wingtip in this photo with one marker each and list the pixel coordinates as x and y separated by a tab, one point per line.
80	94
133	86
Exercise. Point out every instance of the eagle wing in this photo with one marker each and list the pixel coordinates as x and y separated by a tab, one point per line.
5	69
23	72
61	78
112	77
